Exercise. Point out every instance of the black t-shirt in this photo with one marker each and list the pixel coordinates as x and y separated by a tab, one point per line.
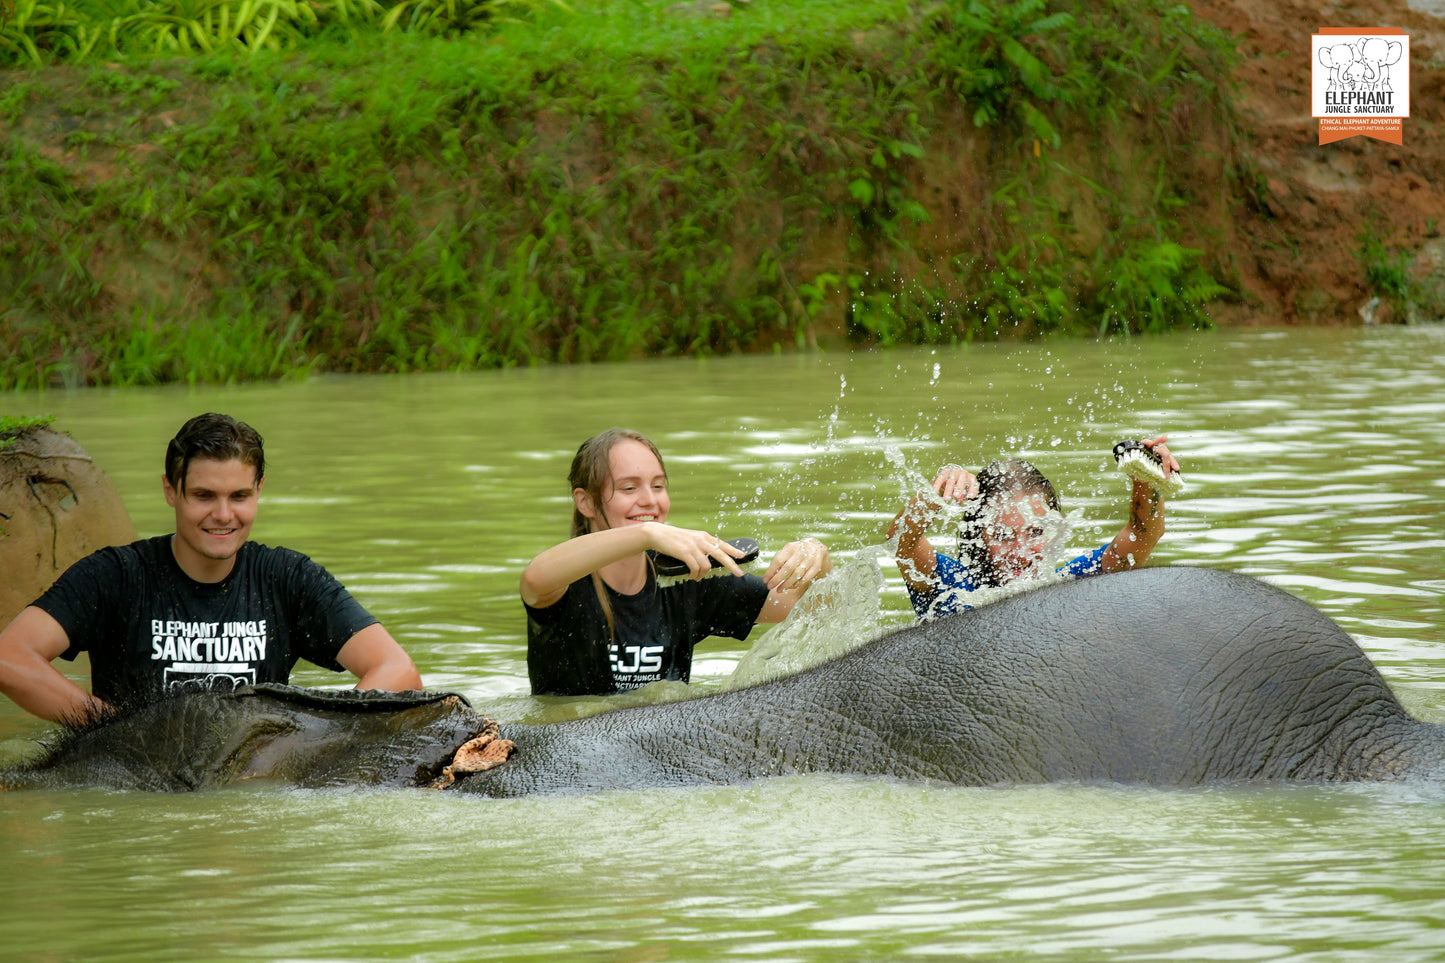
569	651
151	629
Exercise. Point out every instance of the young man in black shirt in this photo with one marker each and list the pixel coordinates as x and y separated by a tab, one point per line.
200	608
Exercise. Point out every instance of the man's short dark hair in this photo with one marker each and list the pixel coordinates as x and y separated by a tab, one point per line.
219	437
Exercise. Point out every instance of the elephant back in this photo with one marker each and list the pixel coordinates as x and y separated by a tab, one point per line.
1163	676
1173	676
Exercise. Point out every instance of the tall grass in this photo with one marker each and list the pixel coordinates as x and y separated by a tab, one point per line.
43	31
606	181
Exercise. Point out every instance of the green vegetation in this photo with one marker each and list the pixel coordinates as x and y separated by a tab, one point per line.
1391	275
40	31
353	186
13	426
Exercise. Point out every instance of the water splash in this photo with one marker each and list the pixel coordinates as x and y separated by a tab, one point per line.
1044	571
838	614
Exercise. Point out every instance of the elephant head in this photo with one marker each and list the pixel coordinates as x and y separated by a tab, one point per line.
1339	58
1372	67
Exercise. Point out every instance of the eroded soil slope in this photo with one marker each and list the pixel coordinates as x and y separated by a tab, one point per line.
1298	241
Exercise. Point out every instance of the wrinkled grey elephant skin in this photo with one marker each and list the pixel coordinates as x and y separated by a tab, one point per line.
309	738
1162	676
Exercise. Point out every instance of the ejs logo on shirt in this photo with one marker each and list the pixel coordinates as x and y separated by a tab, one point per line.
636	659
1360	82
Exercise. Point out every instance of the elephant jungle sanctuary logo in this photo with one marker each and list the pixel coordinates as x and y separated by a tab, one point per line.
1360	82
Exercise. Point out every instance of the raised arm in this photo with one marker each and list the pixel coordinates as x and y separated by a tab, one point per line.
1145	526
378	661
915	555
28	646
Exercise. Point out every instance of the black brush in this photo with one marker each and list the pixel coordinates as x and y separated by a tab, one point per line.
666	565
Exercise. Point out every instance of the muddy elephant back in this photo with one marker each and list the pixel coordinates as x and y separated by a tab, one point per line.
56	506
290	736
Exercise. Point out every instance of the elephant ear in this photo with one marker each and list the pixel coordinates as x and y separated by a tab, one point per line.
1397	49
1350	55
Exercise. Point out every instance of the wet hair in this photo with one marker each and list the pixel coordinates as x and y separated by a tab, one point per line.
592	472
218	437
997	479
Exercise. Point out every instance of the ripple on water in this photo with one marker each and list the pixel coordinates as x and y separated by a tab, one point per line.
1314	459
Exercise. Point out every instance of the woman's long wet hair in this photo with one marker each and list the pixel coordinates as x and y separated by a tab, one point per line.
996	480
592	472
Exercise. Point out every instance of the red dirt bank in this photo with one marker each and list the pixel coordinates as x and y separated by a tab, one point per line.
1297	250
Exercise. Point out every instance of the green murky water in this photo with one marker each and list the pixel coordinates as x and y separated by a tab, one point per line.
1316	459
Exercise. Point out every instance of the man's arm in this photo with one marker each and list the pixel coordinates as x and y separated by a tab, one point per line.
378	660
915	555
29	644
1140	533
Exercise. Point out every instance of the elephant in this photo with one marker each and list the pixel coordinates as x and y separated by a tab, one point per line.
1160	676
306	738
1340	58
1372	68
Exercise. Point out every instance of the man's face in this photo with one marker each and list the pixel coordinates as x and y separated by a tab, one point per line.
215	512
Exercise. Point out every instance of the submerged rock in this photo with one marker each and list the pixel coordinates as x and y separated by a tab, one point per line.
56	507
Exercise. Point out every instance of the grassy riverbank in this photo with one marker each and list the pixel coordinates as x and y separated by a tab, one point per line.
616	180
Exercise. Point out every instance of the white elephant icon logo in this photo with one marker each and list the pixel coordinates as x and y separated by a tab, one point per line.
1340	59
1371	69
1363	65
1360	82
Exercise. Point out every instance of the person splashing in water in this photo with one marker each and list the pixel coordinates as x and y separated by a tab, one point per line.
1012	530
598	621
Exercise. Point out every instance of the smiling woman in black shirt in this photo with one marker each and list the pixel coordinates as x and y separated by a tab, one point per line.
597	619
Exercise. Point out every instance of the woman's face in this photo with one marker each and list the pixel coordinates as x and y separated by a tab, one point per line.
636	492
1016	531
